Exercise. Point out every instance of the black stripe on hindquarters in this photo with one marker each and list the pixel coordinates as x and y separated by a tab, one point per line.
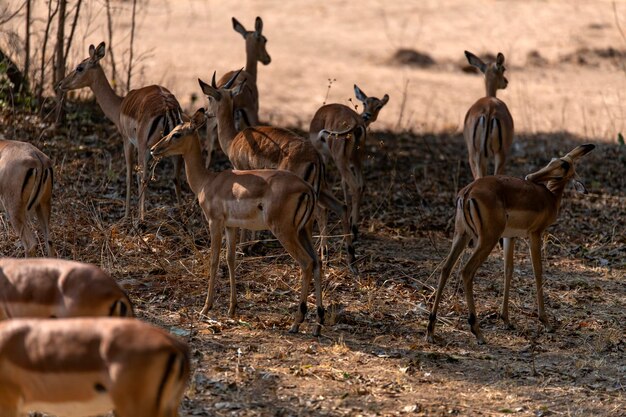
155	125
168	370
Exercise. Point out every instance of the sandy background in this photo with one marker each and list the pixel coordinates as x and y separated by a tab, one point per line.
352	42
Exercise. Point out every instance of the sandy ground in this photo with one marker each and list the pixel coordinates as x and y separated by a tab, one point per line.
352	42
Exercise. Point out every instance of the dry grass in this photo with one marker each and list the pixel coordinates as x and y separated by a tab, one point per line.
371	359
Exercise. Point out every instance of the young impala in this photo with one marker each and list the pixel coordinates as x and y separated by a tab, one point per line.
338	132
266	147
26	182
58	288
497	207
90	366
142	117
246	104
488	126
268	199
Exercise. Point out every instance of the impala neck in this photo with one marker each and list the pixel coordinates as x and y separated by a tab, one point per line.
195	170
106	97
491	88
557	188
252	59
226	130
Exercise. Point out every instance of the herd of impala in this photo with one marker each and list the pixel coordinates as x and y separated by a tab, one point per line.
69	365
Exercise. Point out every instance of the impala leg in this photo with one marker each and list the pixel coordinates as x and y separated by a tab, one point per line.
535	255
295	244
231	243
482	251
357	195
499	160
321	216
8	400
128	157
459	243
216	244
18	219
509	249
178	167
326	200
350	193
307	243
43	216
142	178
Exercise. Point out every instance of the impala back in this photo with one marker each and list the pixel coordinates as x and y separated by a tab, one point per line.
51	288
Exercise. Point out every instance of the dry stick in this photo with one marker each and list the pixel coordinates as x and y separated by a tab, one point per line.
42	80
621	32
27	41
132	41
72	30
12	15
402	104
110	29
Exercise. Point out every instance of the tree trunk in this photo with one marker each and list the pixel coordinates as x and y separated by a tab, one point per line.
59	69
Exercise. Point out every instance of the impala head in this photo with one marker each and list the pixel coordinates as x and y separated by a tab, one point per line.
371	105
220	95
561	170
255	41
179	139
494	72
84	73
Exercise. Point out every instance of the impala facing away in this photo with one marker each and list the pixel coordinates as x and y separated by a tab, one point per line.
58	288
26	182
246	104
338	132
497	207
267	199
266	147
90	366
142	117
488	127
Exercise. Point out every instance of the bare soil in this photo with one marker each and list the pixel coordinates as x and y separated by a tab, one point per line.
372	358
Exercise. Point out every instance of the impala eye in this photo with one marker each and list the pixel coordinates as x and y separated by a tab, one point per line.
80	68
565	165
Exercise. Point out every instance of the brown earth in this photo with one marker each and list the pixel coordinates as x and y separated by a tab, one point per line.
372	358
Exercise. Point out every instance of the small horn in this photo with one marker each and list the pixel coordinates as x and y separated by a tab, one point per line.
232	80
213	84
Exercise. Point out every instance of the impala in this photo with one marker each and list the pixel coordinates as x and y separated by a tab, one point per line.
26	182
338	132
89	366
248	101
497	207
268	199
142	117
58	288
266	147
488	126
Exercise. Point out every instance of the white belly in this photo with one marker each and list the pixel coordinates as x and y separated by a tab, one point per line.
97	406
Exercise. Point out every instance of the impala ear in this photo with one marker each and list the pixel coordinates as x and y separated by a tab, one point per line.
476	62
238	89
208	90
238	27
360	95
199	118
500	59
581	151
99	52
385	99
580	187
258	25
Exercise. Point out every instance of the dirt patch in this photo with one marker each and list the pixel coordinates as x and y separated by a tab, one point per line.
595	57
372	358
412	58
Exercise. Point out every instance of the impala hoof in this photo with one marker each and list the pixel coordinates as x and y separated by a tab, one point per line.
294	328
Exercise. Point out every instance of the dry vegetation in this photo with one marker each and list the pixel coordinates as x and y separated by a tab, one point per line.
372	359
